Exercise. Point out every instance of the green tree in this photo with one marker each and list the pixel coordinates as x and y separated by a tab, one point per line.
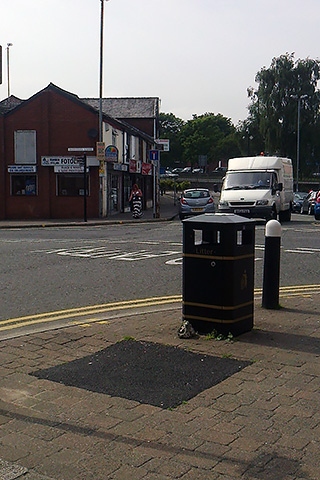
211	135
170	127
274	106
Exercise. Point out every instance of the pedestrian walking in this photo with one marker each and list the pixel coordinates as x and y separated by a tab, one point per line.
135	200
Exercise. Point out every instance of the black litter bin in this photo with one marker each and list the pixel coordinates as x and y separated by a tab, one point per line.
218	273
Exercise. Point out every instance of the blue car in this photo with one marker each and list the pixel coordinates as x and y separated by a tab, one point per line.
317	211
298	198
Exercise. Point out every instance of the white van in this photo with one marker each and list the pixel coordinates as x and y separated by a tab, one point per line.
258	187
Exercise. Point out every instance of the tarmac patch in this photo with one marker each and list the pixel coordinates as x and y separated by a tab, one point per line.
145	372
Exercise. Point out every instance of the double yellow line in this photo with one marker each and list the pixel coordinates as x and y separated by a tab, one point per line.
73	313
81	315
294	291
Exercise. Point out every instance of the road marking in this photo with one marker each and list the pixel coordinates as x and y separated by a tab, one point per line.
176	261
105	252
305	250
86	311
89	314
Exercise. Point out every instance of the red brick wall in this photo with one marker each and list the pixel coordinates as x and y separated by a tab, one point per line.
60	123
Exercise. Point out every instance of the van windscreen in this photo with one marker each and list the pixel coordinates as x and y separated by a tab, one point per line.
247	180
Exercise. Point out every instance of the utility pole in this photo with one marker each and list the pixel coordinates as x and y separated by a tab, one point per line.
8	67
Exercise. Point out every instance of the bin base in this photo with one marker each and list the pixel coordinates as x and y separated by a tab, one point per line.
235	328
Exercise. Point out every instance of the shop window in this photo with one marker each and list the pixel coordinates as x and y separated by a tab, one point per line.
23	185
71	185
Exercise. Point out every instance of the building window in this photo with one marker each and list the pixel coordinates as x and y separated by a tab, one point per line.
23	185
25	147
71	185
114	137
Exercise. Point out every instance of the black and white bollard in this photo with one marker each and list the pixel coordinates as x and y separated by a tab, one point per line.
271	271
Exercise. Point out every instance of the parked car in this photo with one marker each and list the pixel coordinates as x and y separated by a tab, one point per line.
308	203
298	198
317	210
186	170
195	201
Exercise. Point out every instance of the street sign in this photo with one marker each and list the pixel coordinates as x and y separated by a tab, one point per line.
154	155
164	143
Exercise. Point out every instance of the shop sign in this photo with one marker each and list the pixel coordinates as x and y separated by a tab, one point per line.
53	161
69	169
102	169
22	168
100	150
132	166
120	167
111	154
146	168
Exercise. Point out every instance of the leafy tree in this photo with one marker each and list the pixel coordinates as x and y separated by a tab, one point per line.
170	128
274	105
208	134
250	139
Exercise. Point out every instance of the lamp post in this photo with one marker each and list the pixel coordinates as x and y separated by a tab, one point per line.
299	98
103	180
101	67
8	67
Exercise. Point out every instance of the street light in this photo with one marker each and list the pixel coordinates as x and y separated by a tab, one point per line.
299	98
8	67
101	68
103	207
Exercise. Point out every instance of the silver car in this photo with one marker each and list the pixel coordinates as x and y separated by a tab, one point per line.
195	201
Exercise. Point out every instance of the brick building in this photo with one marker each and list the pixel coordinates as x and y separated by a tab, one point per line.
41	178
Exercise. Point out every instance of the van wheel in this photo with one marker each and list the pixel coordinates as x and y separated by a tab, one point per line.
273	215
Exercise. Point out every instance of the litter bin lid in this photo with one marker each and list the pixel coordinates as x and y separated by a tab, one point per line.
225	218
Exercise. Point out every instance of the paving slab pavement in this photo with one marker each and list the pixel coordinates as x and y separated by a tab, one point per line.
261	423
169	210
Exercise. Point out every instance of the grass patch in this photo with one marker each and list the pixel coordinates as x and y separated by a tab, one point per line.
214	335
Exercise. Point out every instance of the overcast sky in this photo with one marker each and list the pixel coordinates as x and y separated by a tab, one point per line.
196	55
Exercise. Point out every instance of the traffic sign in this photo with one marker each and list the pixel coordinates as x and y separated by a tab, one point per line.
164	143
154	155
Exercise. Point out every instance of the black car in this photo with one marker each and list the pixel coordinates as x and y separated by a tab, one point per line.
308	203
298	198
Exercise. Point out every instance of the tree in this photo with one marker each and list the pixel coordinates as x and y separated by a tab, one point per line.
208	134
170	128
274	106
